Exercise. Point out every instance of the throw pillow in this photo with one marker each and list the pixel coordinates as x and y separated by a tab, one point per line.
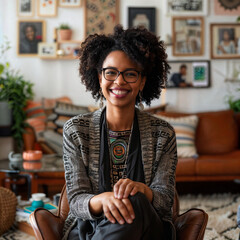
35	110
64	111
53	140
48	105
38	126
185	128
36	118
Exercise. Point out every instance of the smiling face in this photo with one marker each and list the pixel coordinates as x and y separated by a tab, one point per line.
30	33
119	93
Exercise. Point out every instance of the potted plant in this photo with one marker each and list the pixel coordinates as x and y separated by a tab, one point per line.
65	32
14	93
234	104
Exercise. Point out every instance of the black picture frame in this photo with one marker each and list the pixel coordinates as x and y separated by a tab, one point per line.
150	17
198	74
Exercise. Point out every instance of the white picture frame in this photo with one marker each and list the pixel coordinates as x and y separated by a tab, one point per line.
184	8
47	50
47	8
25	8
200	74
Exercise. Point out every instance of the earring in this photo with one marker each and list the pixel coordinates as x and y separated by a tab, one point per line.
140	105
101	98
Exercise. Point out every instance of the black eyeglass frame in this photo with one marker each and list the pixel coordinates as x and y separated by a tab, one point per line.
128	69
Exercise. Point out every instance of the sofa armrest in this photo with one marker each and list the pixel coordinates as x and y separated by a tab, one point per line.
46	225
191	224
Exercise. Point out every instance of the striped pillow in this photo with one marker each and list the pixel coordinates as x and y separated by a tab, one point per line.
185	128
35	110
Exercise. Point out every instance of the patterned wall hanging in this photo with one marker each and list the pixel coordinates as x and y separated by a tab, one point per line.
100	16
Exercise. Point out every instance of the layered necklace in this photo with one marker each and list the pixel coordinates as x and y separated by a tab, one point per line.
118	145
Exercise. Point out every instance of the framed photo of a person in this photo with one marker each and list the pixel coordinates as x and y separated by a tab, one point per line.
225	40
70	3
30	33
47	8
188	36
100	16
47	50
189	74
186	7
138	16
25	8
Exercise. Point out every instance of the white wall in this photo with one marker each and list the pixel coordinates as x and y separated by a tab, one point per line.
54	78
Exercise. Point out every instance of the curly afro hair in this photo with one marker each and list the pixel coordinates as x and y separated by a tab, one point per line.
139	44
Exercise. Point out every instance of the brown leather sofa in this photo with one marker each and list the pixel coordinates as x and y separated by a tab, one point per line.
47	226
218	146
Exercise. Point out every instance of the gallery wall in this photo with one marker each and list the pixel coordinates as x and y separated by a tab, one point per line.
54	78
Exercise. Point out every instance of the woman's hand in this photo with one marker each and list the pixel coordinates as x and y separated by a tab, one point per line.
125	187
114	209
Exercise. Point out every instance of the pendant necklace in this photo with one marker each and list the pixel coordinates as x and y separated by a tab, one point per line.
118	152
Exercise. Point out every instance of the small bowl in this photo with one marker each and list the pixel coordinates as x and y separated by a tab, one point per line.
32	155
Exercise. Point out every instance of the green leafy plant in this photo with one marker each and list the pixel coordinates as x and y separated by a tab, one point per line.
16	91
64	26
234	104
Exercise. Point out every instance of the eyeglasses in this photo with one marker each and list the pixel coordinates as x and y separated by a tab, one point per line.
129	75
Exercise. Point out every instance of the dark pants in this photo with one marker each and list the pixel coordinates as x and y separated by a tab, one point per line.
146	225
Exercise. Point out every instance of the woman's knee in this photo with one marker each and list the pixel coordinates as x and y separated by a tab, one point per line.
140	203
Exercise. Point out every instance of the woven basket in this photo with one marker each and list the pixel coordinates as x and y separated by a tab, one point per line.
8	203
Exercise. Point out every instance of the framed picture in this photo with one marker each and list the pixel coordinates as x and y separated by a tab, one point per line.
189	74
142	17
230	8
70	3
186	7
225	40
25	8
188	36
47	50
47	8
30	33
100	16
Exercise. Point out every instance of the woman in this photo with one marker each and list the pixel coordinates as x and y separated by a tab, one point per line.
226	45
29	43
120	162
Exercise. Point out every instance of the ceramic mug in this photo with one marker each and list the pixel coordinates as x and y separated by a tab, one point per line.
37	203
15	157
38	196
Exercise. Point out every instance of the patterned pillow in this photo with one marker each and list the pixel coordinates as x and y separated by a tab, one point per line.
48	105
185	128
64	111
36	118
35	110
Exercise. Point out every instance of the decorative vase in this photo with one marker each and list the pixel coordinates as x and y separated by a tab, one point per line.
65	34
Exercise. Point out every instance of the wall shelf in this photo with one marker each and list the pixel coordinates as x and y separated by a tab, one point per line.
237	80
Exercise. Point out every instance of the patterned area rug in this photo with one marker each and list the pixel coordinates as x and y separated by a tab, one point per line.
221	209
222	213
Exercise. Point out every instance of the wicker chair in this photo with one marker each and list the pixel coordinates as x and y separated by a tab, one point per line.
8	203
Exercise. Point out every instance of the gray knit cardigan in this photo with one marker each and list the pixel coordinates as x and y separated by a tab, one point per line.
81	150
